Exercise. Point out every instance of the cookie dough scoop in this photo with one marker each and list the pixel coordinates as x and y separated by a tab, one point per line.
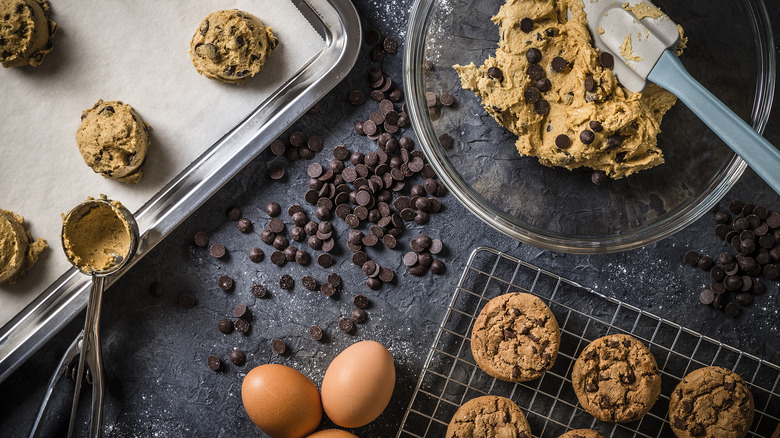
99	237
641	40
25	32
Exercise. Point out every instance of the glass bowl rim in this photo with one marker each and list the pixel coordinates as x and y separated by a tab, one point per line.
642	236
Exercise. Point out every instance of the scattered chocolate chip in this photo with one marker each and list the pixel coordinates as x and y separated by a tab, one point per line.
390	45
233	214
238	358
361	301
732	310
225	282
309	282
225	326
324	260
346	325
186	301
359	316
357	98
286	282
213	363
706	297
259	290
438	267
242	325
278	258
278	346
598	177
201	238
256	255
276	172
315	332
244	225
217	250
241	311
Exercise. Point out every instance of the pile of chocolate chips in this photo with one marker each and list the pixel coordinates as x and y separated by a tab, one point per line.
754	234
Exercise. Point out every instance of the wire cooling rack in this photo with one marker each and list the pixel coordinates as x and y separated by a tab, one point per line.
450	376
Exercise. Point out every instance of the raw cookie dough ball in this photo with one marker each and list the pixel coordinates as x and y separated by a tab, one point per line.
25	32
18	250
113	139
231	45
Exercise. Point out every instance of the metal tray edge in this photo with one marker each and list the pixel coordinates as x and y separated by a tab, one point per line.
337	21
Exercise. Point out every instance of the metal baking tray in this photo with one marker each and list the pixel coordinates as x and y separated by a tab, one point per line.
450	376
338	24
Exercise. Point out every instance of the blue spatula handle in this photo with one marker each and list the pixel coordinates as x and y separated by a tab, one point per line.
758	153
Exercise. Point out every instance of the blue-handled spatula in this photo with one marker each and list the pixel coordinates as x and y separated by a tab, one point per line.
642	40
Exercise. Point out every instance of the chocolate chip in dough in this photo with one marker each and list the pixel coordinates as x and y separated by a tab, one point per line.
495	73
526	24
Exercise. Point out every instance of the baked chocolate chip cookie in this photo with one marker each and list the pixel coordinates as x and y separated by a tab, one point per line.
488	417
114	140
25	32
616	379
582	433
711	402
515	337
231	45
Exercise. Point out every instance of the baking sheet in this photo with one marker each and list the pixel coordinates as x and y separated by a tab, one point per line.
137	52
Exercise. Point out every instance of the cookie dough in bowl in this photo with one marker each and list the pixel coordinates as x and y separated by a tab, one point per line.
114	140
18	250
549	86
231	45
25	32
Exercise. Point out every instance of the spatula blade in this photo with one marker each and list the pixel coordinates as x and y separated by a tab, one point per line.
635	32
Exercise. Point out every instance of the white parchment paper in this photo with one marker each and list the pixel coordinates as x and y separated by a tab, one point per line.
136	51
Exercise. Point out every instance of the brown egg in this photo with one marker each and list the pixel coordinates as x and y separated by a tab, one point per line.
358	384
332	433
281	401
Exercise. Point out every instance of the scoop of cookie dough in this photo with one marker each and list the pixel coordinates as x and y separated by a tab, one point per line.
114	140
489	416
18	250
549	86
25	32
231	45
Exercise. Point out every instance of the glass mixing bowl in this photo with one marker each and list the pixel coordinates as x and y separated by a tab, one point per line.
729	51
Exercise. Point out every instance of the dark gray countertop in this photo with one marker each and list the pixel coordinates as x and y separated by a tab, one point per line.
155	351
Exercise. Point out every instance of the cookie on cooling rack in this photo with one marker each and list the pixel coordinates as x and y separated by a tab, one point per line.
515	337
582	433
711	401
616	379
488	417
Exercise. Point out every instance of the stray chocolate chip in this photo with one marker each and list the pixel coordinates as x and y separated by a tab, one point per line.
256	255
438	267
238	358
241	311
732	310
217	250
186	301
334	279
315	332
225	282
691	258
278	258
286	282
357	98
201	238
346	325
233	214
244	225
279	346
325	260
242	326
361	301
598	177
706	297
156	289
259	290
309	282
446	99
276	172
390	45
359	316
213	362
225	326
